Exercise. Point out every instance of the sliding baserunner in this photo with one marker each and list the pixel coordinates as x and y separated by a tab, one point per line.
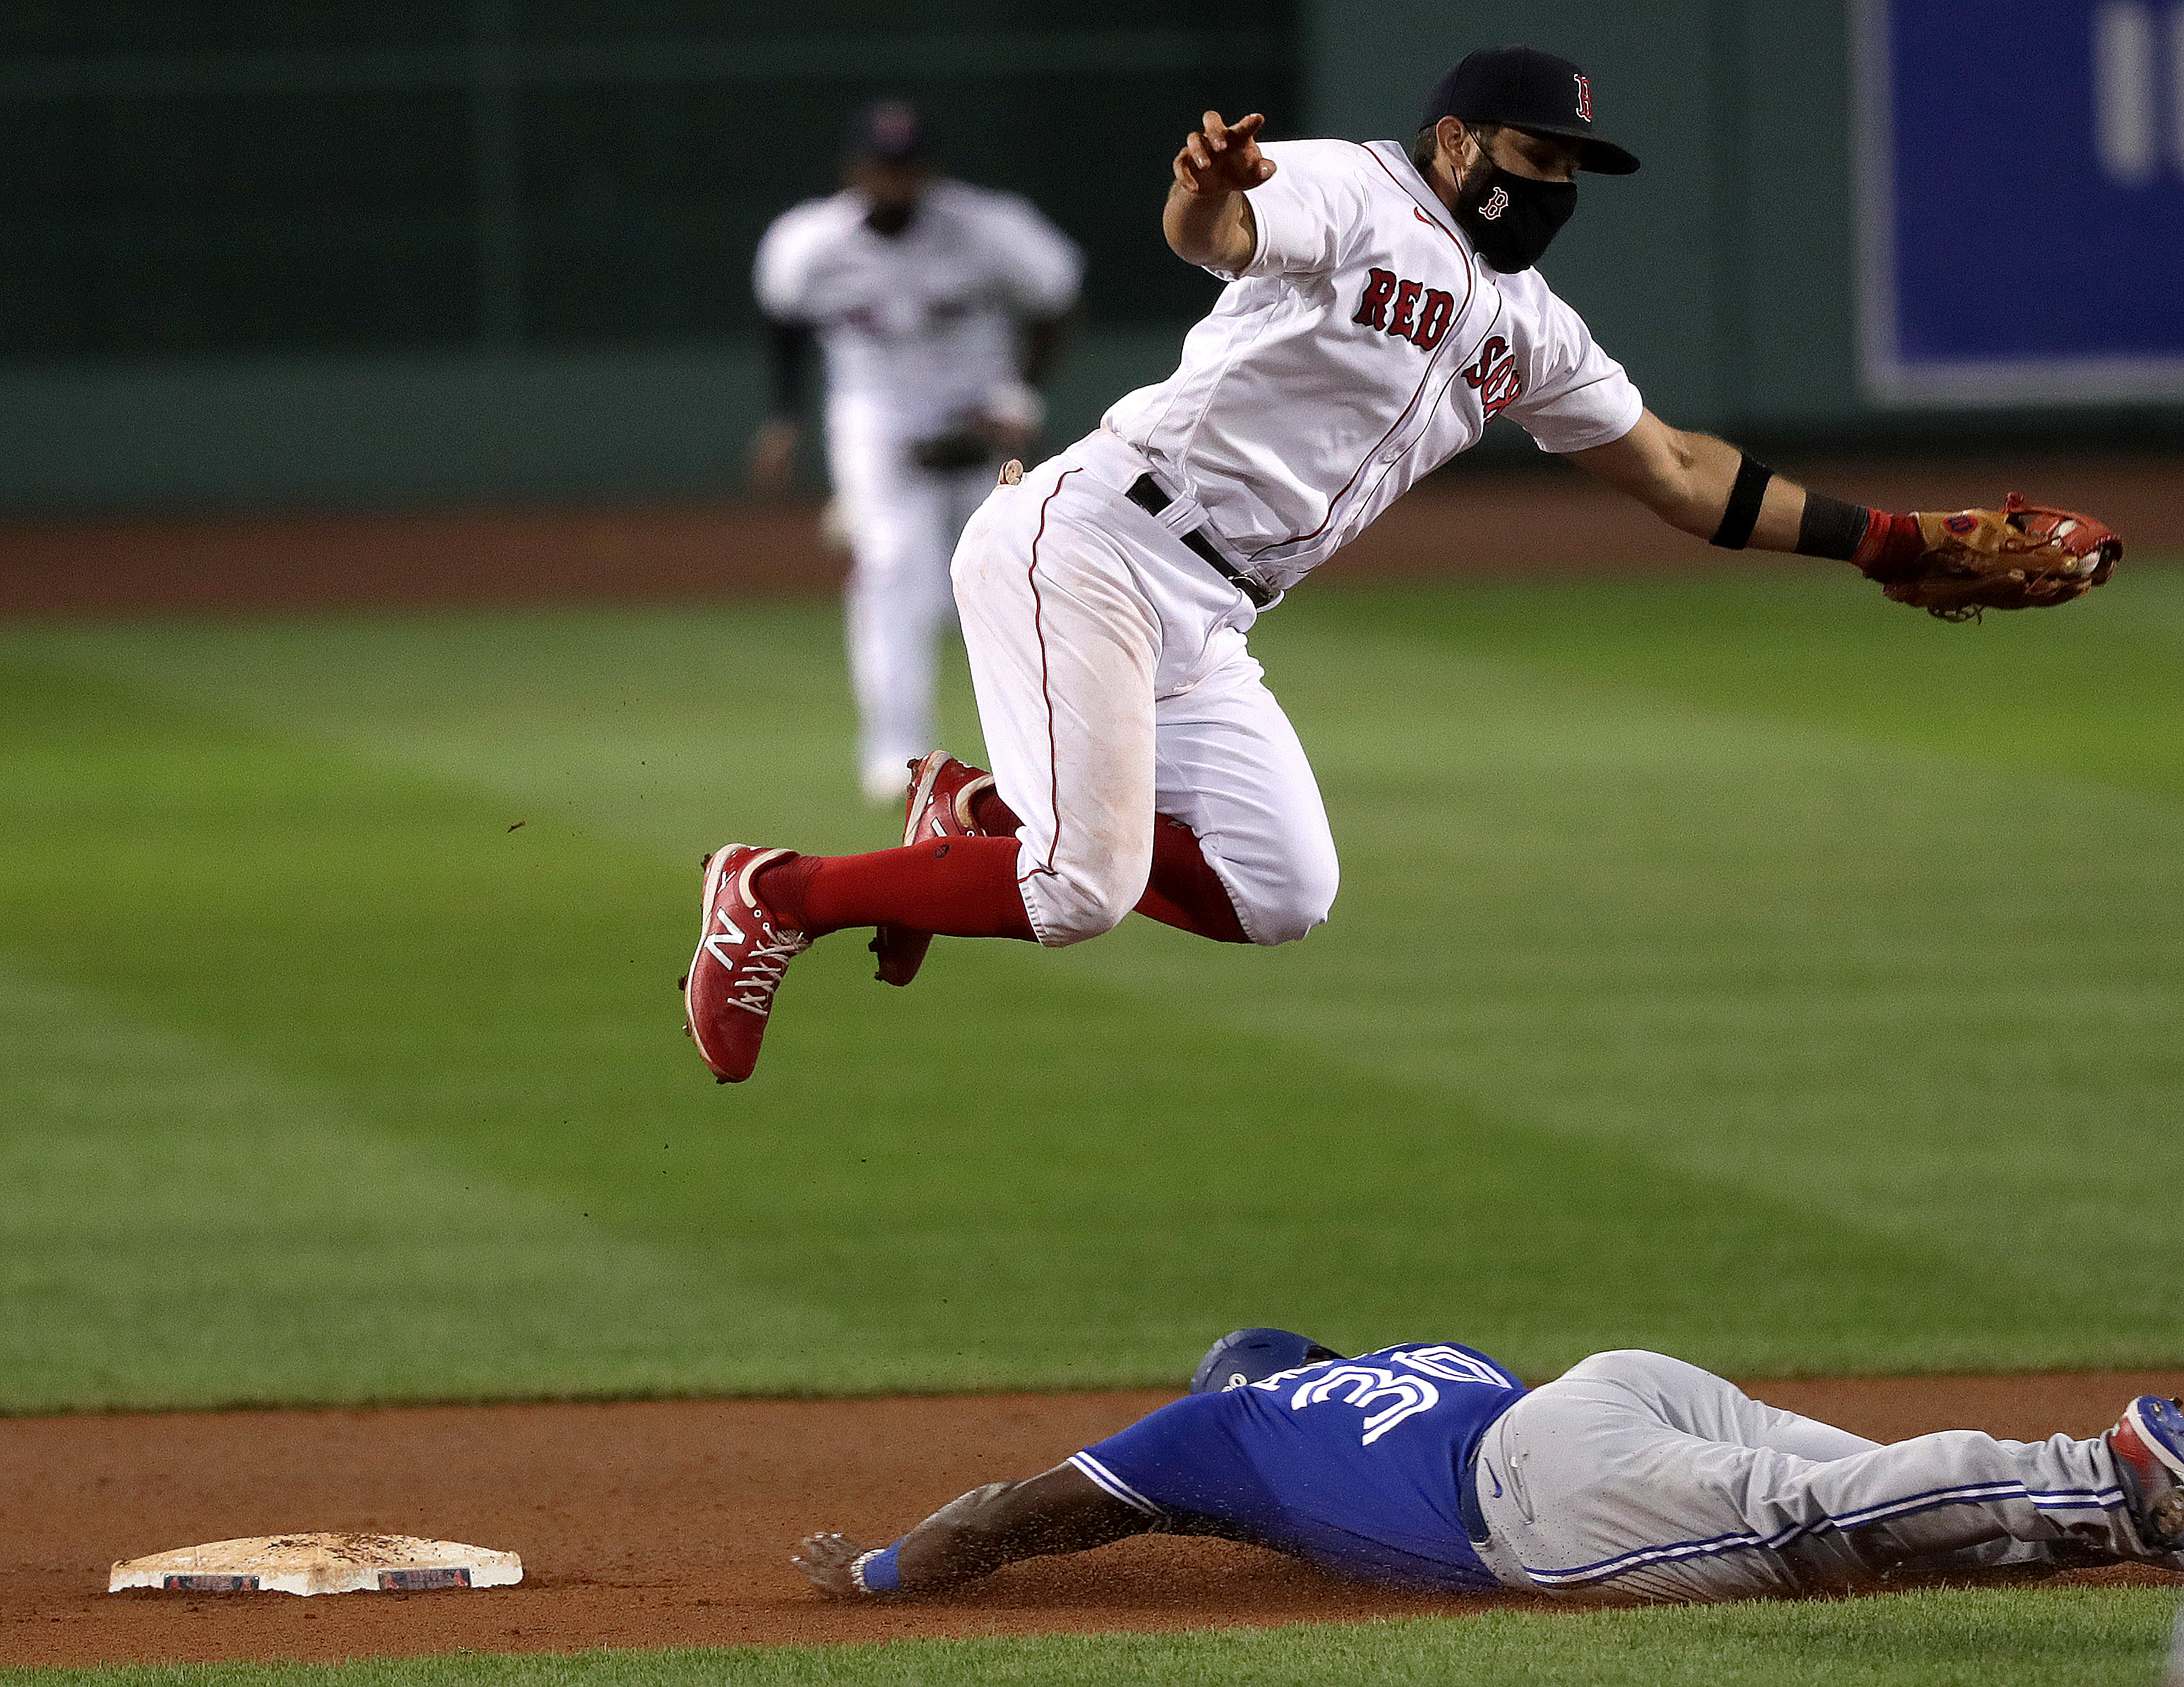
1633	1476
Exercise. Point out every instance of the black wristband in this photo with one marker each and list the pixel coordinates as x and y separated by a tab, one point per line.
1831	527
1745	498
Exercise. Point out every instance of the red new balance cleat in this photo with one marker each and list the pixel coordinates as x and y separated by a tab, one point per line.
941	792
741	955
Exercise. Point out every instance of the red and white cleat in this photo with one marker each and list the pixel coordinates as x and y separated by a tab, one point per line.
942	790
742	953
2149	1444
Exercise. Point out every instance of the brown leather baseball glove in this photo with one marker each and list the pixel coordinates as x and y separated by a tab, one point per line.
2022	556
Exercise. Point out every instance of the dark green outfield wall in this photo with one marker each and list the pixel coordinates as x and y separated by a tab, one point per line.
1724	273
370	430
1720	273
456	249
307	250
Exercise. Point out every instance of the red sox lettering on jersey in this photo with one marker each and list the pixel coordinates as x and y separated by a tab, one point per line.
1420	314
1362	343
1495	377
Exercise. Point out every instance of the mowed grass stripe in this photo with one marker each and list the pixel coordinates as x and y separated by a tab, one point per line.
1980	1638
1932	993
1595	1029
2087	692
1690	949
1014	1174
179	1229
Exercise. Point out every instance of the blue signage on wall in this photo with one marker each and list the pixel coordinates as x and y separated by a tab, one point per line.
2022	199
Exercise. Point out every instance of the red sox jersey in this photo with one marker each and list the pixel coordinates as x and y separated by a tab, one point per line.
1364	345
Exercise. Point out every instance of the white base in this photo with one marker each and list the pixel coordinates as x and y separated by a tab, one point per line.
319	1564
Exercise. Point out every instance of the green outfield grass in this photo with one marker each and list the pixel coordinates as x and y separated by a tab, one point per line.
1988	1638
1752	970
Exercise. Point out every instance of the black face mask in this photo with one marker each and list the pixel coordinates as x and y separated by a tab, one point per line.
1511	220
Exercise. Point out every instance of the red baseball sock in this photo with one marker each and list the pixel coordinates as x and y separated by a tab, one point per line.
1184	892
958	887
992	816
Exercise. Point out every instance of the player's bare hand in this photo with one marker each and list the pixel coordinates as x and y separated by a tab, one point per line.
773	450
825	1559
1221	157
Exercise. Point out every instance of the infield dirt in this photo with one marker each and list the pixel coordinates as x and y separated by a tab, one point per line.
670	1523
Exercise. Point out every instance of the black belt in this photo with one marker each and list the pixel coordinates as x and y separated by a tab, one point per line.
1145	493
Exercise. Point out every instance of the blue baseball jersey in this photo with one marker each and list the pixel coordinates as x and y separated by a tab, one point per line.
1356	1465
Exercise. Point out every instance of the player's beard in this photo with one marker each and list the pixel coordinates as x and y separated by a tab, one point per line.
1511	220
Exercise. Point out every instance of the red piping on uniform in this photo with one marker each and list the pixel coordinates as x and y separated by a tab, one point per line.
1419	212
1046	695
1470	286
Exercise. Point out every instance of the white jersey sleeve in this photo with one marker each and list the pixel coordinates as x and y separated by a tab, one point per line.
1040	267
1575	396
1306	212
782	274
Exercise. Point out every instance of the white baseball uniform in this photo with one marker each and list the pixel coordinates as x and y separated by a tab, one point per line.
1363	345
919	332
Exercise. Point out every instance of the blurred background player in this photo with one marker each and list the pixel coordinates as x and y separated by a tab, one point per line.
940	308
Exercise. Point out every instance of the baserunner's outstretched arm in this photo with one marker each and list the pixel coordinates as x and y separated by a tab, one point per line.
1061	1511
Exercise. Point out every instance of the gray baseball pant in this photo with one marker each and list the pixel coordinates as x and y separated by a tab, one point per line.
1635	1476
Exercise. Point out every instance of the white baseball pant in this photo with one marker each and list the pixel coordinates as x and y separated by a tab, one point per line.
1114	682
902	522
1634	1476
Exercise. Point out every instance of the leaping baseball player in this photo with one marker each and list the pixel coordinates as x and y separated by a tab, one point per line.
940	308
1381	308
1632	1477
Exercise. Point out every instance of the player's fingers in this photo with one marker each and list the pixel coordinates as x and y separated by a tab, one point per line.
1217	132
1243	128
1195	150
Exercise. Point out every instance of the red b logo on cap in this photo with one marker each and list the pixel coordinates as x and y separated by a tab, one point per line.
1584	99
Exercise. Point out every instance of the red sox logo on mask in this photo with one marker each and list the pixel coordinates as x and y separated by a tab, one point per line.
1493	204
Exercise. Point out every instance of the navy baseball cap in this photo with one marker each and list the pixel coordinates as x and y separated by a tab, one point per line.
1252	1355
888	131
1525	88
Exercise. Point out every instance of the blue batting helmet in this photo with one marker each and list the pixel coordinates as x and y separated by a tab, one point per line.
1251	1356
